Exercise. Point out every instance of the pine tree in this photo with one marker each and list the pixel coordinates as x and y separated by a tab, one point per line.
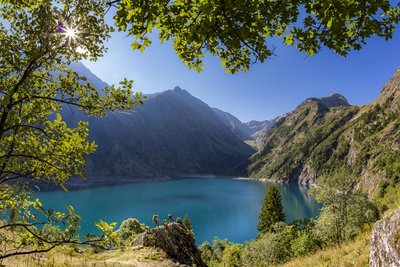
271	211
187	223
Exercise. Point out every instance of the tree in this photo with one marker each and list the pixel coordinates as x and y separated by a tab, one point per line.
271	211
242	32
346	209
187	223
39	39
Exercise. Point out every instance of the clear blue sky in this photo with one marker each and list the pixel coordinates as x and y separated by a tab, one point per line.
268	89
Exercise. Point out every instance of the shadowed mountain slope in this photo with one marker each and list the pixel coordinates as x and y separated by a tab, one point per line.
173	134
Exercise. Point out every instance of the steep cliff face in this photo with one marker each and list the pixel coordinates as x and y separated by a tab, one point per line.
324	135
175	240
385	241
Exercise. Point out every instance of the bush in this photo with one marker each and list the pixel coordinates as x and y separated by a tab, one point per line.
207	252
346	208
232	255
270	248
221	253
129	229
305	243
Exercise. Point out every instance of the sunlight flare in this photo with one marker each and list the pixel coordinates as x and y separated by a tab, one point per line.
71	33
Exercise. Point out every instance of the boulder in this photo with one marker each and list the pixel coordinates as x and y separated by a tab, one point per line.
385	241
175	240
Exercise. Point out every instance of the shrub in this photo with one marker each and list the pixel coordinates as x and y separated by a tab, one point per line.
129	229
304	243
232	255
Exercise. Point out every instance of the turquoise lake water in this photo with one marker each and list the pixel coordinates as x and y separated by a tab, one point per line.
217	207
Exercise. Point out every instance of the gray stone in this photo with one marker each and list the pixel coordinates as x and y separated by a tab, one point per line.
385	242
176	241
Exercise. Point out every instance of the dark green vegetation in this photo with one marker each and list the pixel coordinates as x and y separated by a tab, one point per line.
238	31
351	153
186	222
347	212
35	142
271	211
39	41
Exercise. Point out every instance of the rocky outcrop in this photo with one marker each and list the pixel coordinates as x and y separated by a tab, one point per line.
175	240
334	100
385	241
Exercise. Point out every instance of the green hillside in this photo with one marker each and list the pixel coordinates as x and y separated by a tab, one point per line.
317	139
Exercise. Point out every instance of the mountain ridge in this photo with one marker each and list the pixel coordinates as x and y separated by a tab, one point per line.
316	140
171	135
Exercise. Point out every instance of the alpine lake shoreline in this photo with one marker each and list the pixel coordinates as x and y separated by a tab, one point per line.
218	206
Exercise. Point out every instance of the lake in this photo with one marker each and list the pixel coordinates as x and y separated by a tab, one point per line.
217	207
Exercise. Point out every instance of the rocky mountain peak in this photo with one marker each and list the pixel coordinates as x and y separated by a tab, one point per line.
334	100
177	88
178	91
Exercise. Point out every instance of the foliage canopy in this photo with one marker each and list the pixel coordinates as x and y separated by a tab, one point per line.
243	32
271	211
38	42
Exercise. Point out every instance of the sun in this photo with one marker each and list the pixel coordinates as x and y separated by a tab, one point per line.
71	33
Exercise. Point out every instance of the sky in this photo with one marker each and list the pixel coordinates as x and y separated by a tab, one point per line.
268	89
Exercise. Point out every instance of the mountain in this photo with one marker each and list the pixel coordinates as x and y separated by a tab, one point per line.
82	70
240	129
253	130
324	135
258	129
332	101
174	134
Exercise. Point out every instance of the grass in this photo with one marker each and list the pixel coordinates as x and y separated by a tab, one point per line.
391	198
351	254
135	256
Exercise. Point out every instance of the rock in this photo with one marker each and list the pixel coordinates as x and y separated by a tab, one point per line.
385	241
176	241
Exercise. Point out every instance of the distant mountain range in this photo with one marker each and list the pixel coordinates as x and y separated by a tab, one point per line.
253	130
174	134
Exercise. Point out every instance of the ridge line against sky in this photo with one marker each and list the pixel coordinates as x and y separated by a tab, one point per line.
268	89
